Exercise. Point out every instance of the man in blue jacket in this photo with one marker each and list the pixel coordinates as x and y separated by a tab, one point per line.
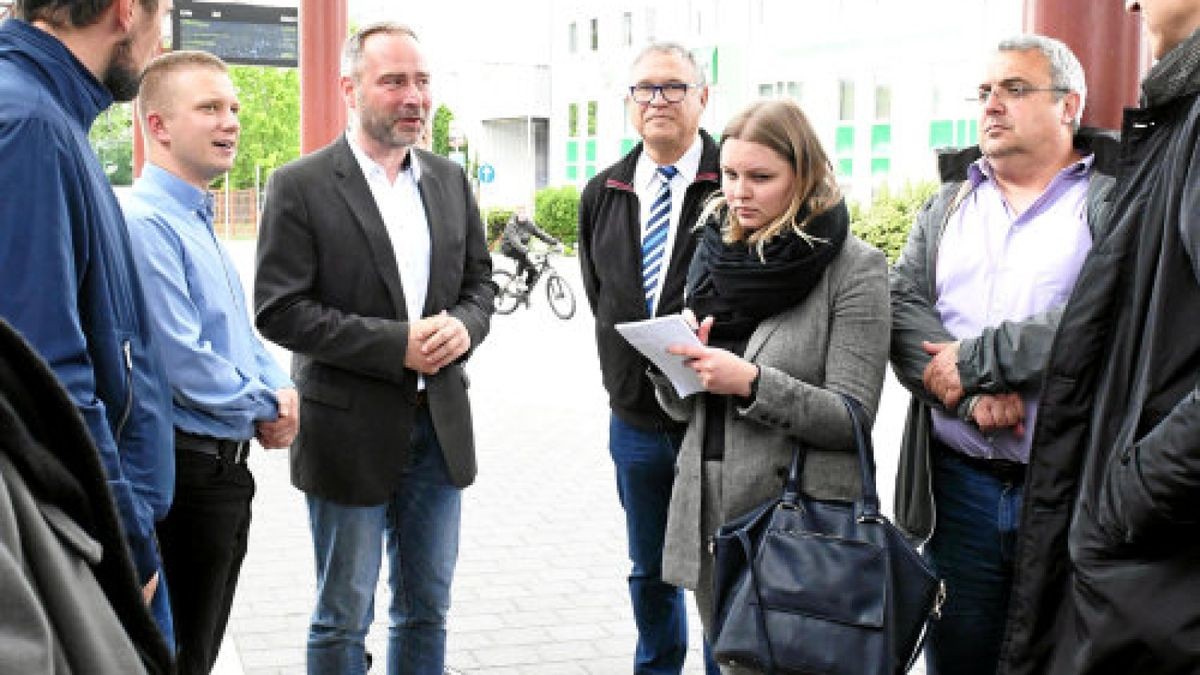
67	276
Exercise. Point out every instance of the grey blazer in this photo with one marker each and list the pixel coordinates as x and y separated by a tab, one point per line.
328	288
834	342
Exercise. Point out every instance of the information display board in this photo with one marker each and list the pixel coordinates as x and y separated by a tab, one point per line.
256	35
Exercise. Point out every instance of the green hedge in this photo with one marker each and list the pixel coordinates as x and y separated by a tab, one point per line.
556	210
885	223
495	219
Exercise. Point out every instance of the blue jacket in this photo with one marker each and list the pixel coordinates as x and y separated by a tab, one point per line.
67	275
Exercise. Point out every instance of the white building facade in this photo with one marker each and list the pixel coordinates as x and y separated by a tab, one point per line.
884	82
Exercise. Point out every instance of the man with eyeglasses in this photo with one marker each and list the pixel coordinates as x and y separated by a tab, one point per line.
1118	586
976	298
636	225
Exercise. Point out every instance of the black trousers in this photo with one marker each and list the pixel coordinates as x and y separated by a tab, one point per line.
203	542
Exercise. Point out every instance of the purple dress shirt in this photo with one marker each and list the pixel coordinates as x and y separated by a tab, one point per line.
995	266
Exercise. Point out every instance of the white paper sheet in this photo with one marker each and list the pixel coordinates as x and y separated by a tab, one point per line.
652	337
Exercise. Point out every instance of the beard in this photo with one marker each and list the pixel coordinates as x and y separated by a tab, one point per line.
121	78
380	126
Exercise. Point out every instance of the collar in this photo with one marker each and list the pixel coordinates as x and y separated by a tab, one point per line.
981	170
75	87
372	168
1175	75
645	178
189	196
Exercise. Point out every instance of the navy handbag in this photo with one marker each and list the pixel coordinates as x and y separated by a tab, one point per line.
810	586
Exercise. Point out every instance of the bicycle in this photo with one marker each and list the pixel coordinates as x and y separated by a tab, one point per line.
512	290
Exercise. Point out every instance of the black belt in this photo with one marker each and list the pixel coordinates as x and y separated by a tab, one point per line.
1004	470
233	452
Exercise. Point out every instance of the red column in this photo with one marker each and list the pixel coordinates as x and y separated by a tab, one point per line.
1108	43
139	145
322	32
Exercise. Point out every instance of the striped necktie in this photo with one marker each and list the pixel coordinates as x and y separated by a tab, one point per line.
654	240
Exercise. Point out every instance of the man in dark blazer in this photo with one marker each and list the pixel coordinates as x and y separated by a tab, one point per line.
373	270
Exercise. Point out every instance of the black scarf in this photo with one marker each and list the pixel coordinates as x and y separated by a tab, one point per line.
731	283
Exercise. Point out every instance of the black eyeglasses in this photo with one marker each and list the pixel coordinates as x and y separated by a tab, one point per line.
1008	91
672	92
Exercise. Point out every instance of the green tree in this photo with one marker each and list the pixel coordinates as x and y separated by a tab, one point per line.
112	140
270	118
441	130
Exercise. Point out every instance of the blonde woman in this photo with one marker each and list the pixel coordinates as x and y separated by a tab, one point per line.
794	312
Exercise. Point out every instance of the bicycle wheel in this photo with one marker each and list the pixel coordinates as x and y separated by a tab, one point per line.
560	295
507	293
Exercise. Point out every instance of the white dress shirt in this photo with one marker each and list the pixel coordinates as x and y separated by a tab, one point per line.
646	182
403	212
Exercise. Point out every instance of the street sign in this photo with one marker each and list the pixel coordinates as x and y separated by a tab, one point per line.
486	173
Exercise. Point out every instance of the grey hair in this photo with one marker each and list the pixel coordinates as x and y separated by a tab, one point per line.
674	49
1065	70
352	51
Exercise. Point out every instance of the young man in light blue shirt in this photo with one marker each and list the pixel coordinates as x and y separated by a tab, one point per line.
226	389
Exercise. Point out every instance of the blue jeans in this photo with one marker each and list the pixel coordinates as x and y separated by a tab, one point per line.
645	468
972	550
420	526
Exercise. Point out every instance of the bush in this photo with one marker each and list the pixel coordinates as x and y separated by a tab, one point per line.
886	222
495	219
556	211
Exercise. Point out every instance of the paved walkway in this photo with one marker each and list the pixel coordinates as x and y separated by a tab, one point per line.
540	586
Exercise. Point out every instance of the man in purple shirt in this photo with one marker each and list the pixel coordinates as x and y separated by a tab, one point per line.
976	297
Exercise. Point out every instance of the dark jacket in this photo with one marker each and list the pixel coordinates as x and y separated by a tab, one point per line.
518	232
67	277
69	601
1108	552
1008	357
610	258
328	288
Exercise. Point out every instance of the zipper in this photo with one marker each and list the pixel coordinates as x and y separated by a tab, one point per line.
127	351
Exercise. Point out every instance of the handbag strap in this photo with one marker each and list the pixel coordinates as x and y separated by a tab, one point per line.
869	502
759	611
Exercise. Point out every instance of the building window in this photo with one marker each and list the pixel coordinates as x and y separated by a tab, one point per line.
952	124
627	29
572	172
881	139
627	144
589	151
881	133
883	102
572	38
591	120
844	139
572	152
790	90
846	101
595	34
573	120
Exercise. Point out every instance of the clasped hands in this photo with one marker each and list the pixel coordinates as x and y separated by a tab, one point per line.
434	342
280	432
720	371
990	412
